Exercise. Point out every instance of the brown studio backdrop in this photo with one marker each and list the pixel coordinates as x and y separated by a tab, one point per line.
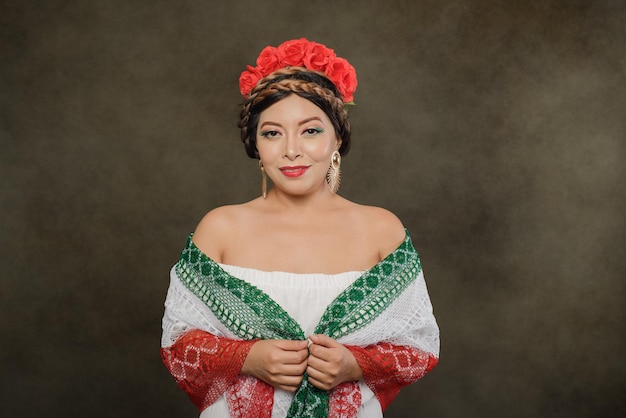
494	130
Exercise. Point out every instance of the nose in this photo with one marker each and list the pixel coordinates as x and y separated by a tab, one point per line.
292	147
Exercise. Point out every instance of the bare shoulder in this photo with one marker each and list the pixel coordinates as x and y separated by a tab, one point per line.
218	228
384	228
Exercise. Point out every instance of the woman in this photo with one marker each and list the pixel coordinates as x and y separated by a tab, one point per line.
299	303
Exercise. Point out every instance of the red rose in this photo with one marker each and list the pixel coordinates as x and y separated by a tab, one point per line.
268	61
317	56
302	53
292	52
340	72
248	79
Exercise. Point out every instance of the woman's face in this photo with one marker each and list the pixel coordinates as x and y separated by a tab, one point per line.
295	140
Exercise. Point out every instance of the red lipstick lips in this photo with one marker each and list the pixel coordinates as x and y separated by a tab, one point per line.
294	171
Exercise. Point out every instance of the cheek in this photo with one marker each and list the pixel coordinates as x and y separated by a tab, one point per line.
321	150
267	150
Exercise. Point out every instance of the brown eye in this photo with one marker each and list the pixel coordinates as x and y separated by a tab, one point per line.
269	134
313	131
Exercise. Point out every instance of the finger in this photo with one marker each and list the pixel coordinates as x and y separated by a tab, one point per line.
316	363
293	369
322	369
291	345
289	384
289	388
321	352
317	379
324	340
313	373
295	357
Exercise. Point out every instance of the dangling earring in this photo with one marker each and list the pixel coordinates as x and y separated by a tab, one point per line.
263	180
333	177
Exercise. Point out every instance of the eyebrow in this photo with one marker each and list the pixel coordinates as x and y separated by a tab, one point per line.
302	122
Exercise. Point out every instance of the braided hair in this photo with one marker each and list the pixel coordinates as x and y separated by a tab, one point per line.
308	84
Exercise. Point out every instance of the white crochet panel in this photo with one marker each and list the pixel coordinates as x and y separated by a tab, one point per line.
184	312
409	320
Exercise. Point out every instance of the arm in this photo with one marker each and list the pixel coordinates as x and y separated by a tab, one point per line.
384	367
203	361
205	365
393	351
203	358
387	368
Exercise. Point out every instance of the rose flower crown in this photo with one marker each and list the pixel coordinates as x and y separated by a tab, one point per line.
306	54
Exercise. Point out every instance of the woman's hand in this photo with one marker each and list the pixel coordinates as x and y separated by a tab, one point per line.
280	363
331	363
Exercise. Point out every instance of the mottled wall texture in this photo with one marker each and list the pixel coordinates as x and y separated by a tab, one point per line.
494	130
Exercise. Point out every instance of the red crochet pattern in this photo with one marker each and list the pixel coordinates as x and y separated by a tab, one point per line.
387	368
345	400
205	366
250	397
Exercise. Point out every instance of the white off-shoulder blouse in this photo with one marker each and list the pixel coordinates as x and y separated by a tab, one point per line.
304	297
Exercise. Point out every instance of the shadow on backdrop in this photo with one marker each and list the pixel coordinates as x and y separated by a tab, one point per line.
495	132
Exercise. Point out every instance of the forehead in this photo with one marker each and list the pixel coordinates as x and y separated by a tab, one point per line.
293	108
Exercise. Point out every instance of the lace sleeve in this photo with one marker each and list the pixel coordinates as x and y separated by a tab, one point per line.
205	365
387	368
203	357
400	346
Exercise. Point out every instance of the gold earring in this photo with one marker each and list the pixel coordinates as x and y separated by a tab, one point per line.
263	180
333	177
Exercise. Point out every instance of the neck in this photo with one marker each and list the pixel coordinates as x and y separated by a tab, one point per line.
319	200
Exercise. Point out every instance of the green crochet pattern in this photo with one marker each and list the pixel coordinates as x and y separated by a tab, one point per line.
250	313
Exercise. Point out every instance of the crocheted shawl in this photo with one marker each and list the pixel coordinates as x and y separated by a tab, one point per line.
246	312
